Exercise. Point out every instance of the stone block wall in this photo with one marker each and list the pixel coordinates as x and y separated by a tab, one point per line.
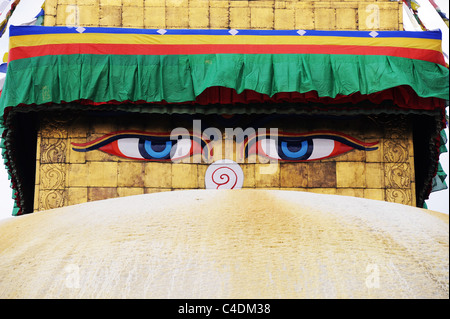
66	177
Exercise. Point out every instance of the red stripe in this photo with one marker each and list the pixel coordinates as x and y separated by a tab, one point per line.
162	49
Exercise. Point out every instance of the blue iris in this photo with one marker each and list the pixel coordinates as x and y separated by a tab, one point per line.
157	150
295	149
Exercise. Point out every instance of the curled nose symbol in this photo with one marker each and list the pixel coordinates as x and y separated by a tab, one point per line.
224	174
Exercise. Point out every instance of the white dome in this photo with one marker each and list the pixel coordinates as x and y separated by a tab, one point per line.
226	244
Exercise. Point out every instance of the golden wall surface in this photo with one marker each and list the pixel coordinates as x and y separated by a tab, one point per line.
224	14
66	177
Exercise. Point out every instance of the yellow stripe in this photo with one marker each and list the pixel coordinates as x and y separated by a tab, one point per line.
35	40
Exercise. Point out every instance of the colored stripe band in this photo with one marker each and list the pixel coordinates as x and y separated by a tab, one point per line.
101	38
29	30
120	49
28	42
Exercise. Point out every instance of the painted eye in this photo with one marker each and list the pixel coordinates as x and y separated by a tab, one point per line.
142	146
155	149
296	149
139	148
184	148
307	147
268	148
311	149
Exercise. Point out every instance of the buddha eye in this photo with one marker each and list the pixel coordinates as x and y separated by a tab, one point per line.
142	146
296	150
306	147
139	148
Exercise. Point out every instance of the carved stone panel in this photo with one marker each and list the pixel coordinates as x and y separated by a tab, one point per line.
53	150
400	196
395	150
397	175
54	127
52	176
395	127
49	199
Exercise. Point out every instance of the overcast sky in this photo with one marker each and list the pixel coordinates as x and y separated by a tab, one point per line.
27	10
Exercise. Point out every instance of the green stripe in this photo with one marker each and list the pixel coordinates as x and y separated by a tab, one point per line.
181	78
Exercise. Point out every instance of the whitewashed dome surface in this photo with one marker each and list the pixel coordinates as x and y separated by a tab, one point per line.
226	244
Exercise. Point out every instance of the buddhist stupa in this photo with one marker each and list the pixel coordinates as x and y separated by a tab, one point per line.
224	149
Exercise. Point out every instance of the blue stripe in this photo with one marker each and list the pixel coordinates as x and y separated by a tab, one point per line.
31	30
